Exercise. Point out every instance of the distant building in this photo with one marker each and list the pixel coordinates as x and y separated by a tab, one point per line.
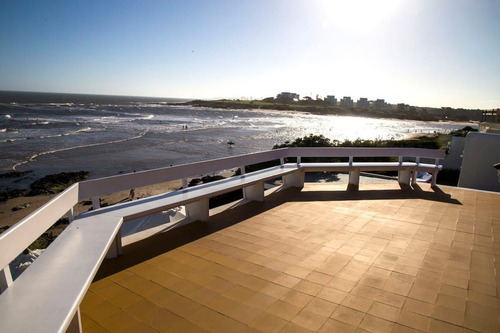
346	101
287	96
363	103
331	99
379	104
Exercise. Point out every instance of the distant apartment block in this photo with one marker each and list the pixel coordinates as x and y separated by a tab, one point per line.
331	99
363	103
379	104
346	101
287	96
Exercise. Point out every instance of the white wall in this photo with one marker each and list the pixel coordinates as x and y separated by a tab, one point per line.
481	152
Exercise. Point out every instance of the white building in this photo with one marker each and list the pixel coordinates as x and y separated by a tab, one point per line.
379	104
331	99
363	103
346	101
287	96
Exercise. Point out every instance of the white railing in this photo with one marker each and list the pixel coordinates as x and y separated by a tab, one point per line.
17	238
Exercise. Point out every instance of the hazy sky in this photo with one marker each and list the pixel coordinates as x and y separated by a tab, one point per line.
420	52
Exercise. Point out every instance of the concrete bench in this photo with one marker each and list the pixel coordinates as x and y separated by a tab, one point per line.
406	170
46	297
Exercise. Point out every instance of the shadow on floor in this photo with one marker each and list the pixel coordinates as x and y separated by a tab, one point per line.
153	246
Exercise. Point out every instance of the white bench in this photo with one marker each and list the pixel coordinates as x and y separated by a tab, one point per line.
55	284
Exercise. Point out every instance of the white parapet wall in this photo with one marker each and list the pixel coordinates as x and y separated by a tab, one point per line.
481	152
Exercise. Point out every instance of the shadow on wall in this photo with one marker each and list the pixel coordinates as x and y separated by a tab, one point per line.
481	153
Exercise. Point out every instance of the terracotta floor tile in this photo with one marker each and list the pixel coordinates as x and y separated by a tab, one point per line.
348	316
373	281
438	326
284	310
423	294
457	292
308	287
341	284
482	311
398	328
384	311
319	278
297	298
331	295
95	329
483	299
420	307
109	290
214	322
140	285
448	315
234	309
309	320
176	303
400	284
479	324
375	324
268	323
391	299
321	307
332	325
357	302
90	301
102	311
451	302
293	328
184	325
413	320
137	327
118	321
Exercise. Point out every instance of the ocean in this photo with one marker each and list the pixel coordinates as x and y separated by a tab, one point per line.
107	135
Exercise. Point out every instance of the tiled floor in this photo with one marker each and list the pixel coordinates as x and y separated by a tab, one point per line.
322	260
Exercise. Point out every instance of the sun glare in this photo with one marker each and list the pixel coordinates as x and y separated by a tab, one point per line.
357	15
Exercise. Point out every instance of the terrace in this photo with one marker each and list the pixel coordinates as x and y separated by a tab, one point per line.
386	257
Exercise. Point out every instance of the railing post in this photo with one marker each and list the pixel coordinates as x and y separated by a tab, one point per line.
299	160
116	247
351	160
184	183
71	214
95	203
76	323
5	278
282	161
242	169
400	160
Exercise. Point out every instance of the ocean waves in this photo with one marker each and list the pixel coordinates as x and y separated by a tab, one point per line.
110	138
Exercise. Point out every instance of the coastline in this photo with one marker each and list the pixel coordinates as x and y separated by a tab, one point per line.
323	108
9	217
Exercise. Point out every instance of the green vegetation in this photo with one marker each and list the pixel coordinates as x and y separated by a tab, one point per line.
446	176
323	107
463	132
53	184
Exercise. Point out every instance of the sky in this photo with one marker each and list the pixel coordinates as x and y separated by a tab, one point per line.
436	53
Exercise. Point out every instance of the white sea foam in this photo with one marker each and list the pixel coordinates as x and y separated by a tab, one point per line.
35	156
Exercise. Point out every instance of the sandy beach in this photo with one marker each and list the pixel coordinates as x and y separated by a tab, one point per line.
9	215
